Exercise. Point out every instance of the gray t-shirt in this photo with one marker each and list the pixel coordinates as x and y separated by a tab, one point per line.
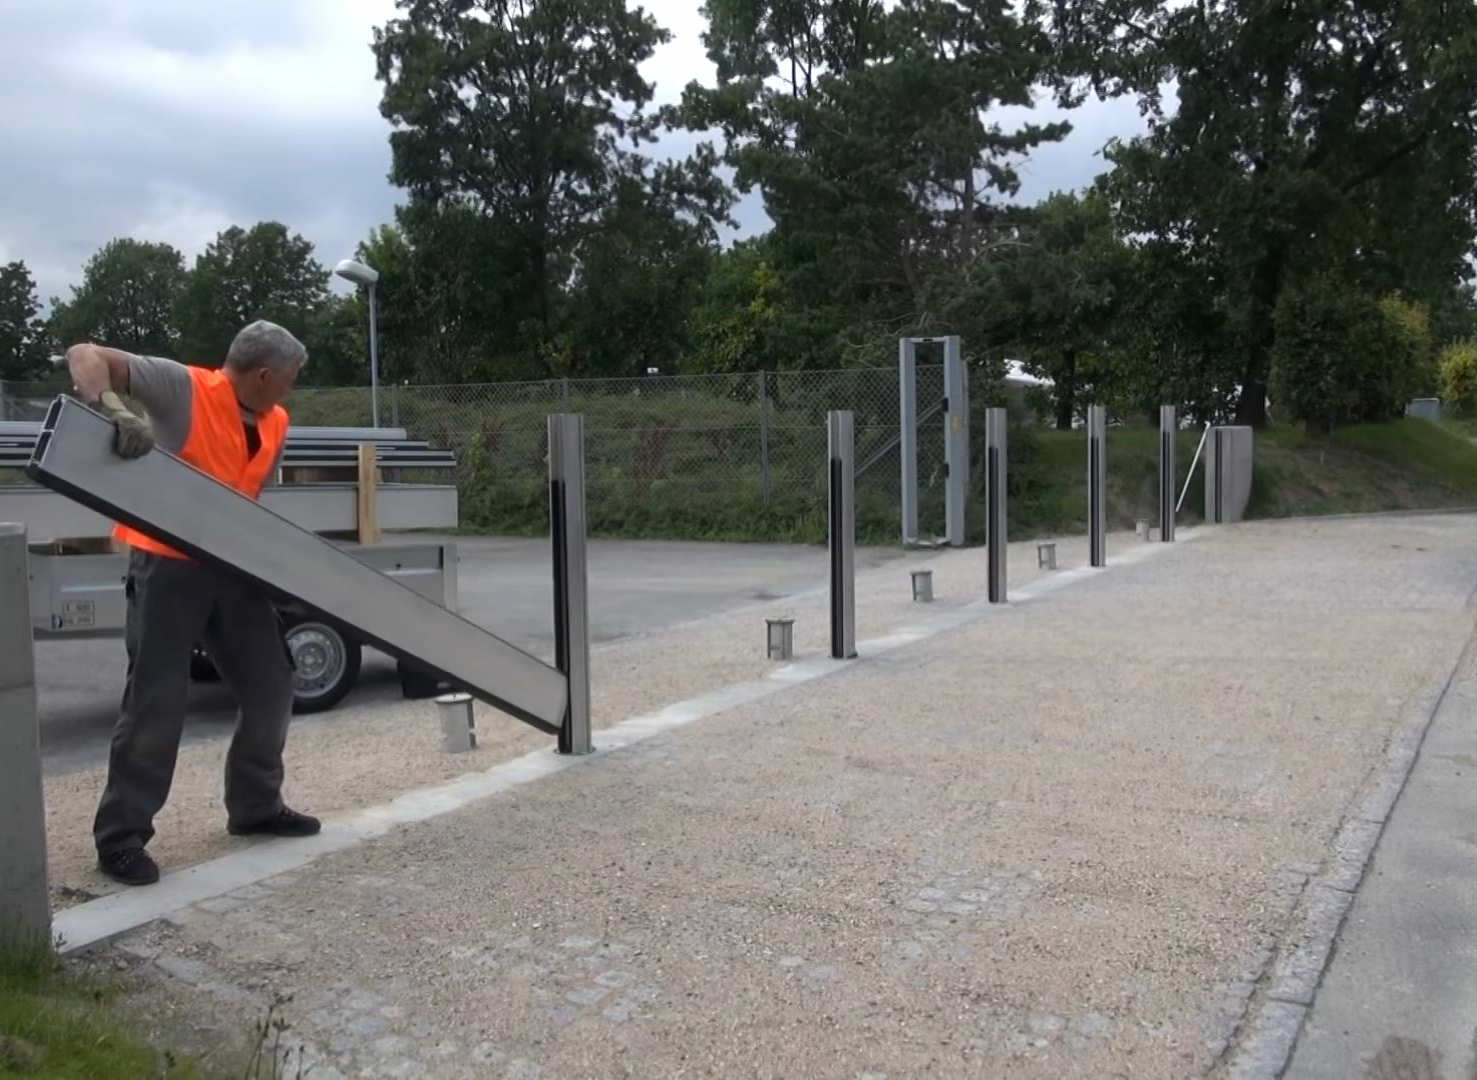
164	389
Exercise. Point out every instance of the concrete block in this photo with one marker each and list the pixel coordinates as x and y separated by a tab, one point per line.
25	905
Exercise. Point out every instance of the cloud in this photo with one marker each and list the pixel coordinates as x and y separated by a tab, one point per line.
171	119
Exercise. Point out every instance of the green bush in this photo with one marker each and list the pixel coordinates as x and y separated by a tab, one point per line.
1345	357
1459	377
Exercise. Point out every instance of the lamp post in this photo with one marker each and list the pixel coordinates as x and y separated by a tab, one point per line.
359	274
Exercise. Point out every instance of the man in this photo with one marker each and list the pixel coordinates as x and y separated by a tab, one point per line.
229	423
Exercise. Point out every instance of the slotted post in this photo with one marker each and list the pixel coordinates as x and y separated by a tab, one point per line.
956	441
25	904
996	532
571	579
841	439
1169	426
1097	485
908	432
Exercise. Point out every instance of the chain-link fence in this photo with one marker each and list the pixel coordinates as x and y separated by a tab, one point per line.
697	456
738	457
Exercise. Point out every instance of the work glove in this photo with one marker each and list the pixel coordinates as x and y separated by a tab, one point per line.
133	437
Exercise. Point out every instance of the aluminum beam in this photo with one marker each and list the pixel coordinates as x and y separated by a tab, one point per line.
841	443
996	532
571	579
1097	485
1169	426
908	432
163	497
25	904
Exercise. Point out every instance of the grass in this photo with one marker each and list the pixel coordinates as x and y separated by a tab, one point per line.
55	1025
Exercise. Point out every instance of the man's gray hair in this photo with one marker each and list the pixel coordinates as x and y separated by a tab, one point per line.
264	344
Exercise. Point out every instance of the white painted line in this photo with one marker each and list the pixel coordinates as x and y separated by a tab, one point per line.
99	920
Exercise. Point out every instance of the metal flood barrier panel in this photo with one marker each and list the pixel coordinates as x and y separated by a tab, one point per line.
996	533
1228	473
1097	485
1169	426
163	497
841	438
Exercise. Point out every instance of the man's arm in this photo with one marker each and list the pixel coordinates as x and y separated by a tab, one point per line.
100	374
96	369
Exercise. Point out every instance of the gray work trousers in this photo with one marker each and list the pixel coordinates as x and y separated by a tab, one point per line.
173	605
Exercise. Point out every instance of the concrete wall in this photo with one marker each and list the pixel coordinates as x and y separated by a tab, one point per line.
1228	459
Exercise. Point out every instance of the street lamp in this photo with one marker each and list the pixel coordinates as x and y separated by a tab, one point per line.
359	274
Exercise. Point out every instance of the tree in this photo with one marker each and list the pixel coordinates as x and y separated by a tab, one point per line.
127	299
867	129
263	272
1313	137
1055	296
22	339
531	115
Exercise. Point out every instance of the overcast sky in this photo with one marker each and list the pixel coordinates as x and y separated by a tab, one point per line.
172	119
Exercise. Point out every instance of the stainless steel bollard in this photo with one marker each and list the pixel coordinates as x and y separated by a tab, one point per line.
1097	485
25	904
841	440
779	637
1169	427
1046	556
996	532
571	578
922	586
457	734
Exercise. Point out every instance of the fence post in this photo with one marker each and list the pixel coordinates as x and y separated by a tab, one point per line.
25	905
564	394
571	580
394	404
764	479
4	406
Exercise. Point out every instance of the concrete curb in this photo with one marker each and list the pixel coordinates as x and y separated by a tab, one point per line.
1290	986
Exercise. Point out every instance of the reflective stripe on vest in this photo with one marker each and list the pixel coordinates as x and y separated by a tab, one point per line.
216	445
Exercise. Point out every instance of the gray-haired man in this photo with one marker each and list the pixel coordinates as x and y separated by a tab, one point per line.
229	423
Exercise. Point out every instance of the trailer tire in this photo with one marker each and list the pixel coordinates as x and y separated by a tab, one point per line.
325	664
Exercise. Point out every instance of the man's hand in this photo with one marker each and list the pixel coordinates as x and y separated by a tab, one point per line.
133	436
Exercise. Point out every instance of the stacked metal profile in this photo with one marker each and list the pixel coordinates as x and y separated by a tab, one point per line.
328	505
307	447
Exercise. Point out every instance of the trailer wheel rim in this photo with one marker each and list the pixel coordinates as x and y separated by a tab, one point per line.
318	656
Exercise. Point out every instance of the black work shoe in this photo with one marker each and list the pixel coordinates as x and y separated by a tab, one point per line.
284	822
131	866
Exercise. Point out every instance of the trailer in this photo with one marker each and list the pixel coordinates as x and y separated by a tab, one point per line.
78	577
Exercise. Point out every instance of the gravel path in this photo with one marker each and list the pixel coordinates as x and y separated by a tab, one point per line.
372	751
1065	839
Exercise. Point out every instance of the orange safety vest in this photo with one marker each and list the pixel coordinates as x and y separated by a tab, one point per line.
216	446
